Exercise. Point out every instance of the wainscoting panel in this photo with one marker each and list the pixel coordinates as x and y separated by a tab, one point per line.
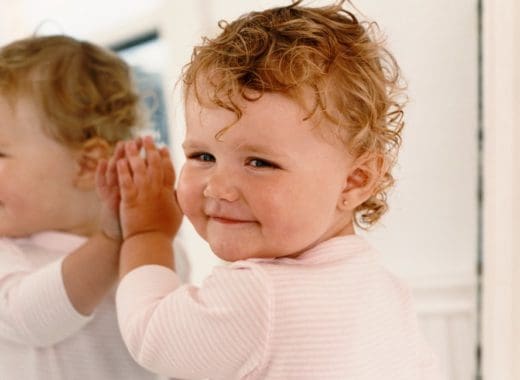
447	310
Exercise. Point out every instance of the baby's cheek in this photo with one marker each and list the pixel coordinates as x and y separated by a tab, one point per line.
189	199
183	201
193	211
9	196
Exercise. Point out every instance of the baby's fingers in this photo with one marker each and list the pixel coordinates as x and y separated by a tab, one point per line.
119	151
101	171
111	169
126	184
153	159
138	142
136	164
167	165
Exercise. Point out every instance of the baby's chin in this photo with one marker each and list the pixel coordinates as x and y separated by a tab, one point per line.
227	253
7	232
232	252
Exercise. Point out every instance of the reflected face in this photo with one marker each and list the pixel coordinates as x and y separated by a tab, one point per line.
269	187
36	176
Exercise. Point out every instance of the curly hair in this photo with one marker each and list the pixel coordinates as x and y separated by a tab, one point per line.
355	79
83	90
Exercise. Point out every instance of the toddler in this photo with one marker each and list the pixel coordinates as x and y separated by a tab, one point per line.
293	124
63	106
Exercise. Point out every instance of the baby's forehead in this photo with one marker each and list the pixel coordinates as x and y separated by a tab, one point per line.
268	106
300	106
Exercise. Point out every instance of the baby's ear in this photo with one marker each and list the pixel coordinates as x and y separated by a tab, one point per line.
88	156
362	180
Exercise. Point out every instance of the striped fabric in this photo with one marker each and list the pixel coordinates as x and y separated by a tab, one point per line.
332	313
42	336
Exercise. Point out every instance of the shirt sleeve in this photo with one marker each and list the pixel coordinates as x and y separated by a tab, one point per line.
189	332
34	307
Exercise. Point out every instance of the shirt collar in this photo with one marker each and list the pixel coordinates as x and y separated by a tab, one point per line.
339	247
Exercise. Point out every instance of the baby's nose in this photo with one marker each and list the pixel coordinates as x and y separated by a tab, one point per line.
220	186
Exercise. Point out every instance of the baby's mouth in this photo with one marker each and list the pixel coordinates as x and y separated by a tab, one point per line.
228	220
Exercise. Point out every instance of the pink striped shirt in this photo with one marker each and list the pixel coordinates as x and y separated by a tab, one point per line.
331	313
42	336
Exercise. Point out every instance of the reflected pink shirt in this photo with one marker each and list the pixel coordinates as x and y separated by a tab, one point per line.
42	336
333	312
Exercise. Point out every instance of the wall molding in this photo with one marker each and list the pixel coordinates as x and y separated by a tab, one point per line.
447	313
445	295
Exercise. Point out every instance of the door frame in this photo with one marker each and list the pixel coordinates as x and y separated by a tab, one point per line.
500	328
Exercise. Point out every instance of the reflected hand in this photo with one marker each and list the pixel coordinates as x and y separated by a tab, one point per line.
107	188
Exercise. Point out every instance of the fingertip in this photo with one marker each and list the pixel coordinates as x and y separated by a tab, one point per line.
131	148
148	140
165	152
149	144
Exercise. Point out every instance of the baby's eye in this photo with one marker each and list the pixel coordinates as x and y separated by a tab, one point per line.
202	156
259	163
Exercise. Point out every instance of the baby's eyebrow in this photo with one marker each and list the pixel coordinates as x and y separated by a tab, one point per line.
260	149
190	144
255	149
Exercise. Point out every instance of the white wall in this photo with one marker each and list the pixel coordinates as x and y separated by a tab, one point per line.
83	19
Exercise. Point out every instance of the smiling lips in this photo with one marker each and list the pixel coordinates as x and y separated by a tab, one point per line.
226	220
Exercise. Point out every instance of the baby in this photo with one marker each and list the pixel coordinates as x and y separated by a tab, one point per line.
293	125
63	106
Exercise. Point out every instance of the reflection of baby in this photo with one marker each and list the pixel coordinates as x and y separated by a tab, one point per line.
292	128
63	106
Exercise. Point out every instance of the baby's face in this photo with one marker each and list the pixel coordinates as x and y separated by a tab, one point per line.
36	175
271	186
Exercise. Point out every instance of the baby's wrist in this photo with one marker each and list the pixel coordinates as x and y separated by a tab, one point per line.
109	225
115	237
147	234
152	247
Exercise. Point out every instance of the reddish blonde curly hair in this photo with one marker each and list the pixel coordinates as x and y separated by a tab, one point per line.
355	79
83	90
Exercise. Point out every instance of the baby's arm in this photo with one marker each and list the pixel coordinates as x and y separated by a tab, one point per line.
150	215
91	271
219	330
34	307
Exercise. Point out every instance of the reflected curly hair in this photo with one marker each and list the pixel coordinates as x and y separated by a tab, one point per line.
83	90
355	79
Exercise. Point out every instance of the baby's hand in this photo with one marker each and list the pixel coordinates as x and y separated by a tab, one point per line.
148	201
107	188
